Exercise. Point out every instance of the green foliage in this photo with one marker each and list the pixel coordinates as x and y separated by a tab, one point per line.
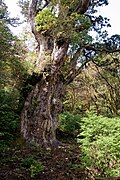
26	162
63	25
12	74
100	144
33	165
6	37
97	88
70	123
9	119
45	20
35	168
24	4
12	51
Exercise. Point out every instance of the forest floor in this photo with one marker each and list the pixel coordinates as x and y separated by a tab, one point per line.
24	162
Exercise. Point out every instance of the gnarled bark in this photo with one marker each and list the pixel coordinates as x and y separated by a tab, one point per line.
39	118
41	110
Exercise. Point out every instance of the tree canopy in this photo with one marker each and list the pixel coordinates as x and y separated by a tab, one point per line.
72	22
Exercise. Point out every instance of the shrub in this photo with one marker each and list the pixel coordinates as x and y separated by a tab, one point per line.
100	144
8	118
70	123
36	168
33	165
28	161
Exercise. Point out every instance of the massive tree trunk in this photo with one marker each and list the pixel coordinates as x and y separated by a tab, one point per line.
41	110
39	118
44	103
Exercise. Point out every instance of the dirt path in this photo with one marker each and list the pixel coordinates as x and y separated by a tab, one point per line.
56	164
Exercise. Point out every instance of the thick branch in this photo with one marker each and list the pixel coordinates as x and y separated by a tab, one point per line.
73	62
46	2
75	57
32	8
73	75
83	6
32	14
96	49
73	72
59	57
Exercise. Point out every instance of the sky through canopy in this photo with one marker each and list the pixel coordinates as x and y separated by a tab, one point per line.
112	11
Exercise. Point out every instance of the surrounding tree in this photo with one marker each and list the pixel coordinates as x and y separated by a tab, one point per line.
12	53
65	46
5	42
96	88
104	87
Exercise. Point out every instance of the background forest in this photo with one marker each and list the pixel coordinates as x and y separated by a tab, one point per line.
89	122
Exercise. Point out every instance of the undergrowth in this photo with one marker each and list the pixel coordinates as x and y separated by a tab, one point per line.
100	144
